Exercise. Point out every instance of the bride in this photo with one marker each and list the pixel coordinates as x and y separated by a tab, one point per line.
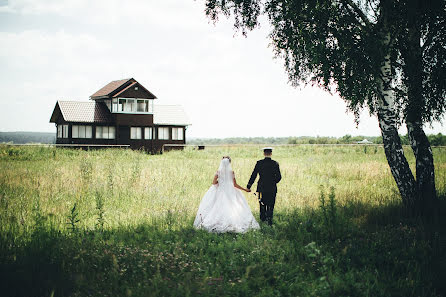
223	207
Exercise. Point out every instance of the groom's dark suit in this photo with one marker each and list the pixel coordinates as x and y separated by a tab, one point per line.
269	172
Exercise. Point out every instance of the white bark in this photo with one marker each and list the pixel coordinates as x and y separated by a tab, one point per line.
424	164
388	123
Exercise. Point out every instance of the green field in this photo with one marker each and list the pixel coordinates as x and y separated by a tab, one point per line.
119	223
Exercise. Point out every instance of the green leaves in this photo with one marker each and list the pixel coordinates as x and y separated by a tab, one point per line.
337	46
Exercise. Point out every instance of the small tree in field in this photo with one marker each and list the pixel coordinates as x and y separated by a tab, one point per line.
385	55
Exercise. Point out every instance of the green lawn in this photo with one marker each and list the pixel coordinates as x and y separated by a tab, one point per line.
119	223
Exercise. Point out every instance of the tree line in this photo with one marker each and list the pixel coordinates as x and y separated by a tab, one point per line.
435	139
50	138
27	137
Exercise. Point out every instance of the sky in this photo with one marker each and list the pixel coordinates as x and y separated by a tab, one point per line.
229	85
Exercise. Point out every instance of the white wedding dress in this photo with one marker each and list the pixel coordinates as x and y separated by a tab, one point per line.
223	207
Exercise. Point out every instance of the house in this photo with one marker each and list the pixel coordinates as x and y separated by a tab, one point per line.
121	113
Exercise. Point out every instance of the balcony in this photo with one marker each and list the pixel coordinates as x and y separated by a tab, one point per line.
130	105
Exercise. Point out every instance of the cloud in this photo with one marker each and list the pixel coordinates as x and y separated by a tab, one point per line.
112	12
39	68
169	47
34	48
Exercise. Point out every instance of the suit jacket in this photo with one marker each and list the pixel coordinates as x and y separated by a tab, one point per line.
269	172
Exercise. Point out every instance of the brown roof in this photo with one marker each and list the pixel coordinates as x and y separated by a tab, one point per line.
125	89
82	112
110	87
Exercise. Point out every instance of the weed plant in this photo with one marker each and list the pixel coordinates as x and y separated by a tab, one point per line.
119	223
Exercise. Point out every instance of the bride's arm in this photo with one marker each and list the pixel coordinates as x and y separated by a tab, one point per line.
237	186
215	181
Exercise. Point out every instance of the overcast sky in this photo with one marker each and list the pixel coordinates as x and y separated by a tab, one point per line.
229	85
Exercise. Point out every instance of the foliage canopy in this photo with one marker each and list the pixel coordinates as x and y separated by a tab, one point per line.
337	45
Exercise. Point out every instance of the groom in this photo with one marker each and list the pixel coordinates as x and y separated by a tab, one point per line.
269	172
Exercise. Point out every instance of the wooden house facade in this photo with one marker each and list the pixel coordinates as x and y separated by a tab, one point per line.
121	113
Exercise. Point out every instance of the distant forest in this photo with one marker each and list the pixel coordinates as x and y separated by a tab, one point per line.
49	138
27	137
435	140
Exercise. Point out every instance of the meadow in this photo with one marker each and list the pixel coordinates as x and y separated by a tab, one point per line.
119	223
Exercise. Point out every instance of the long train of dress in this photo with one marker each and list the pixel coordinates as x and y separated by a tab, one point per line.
224	209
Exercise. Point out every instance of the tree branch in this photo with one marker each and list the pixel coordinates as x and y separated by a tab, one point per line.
357	11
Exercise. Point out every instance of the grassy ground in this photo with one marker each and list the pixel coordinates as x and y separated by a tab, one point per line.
119	223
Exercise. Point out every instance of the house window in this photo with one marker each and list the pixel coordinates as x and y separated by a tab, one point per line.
127	105
105	132
177	133
79	131
121	104
62	131
163	133
115	105
132	105
65	131
141	106
135	132
148	133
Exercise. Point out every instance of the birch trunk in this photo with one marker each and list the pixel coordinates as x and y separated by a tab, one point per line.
427	194
425	174
387	119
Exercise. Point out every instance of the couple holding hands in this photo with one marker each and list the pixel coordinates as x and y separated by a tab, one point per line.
224	208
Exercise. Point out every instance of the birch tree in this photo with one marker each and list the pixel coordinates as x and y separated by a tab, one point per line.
387	56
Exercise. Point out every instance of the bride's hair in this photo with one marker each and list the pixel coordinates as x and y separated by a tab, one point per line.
227	157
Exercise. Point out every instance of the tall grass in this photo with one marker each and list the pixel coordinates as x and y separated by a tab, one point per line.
119	222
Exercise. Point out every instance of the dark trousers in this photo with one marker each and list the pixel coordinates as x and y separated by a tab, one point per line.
267	201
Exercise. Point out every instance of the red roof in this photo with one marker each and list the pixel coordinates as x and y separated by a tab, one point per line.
126	88
82	112
119	87
110	88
